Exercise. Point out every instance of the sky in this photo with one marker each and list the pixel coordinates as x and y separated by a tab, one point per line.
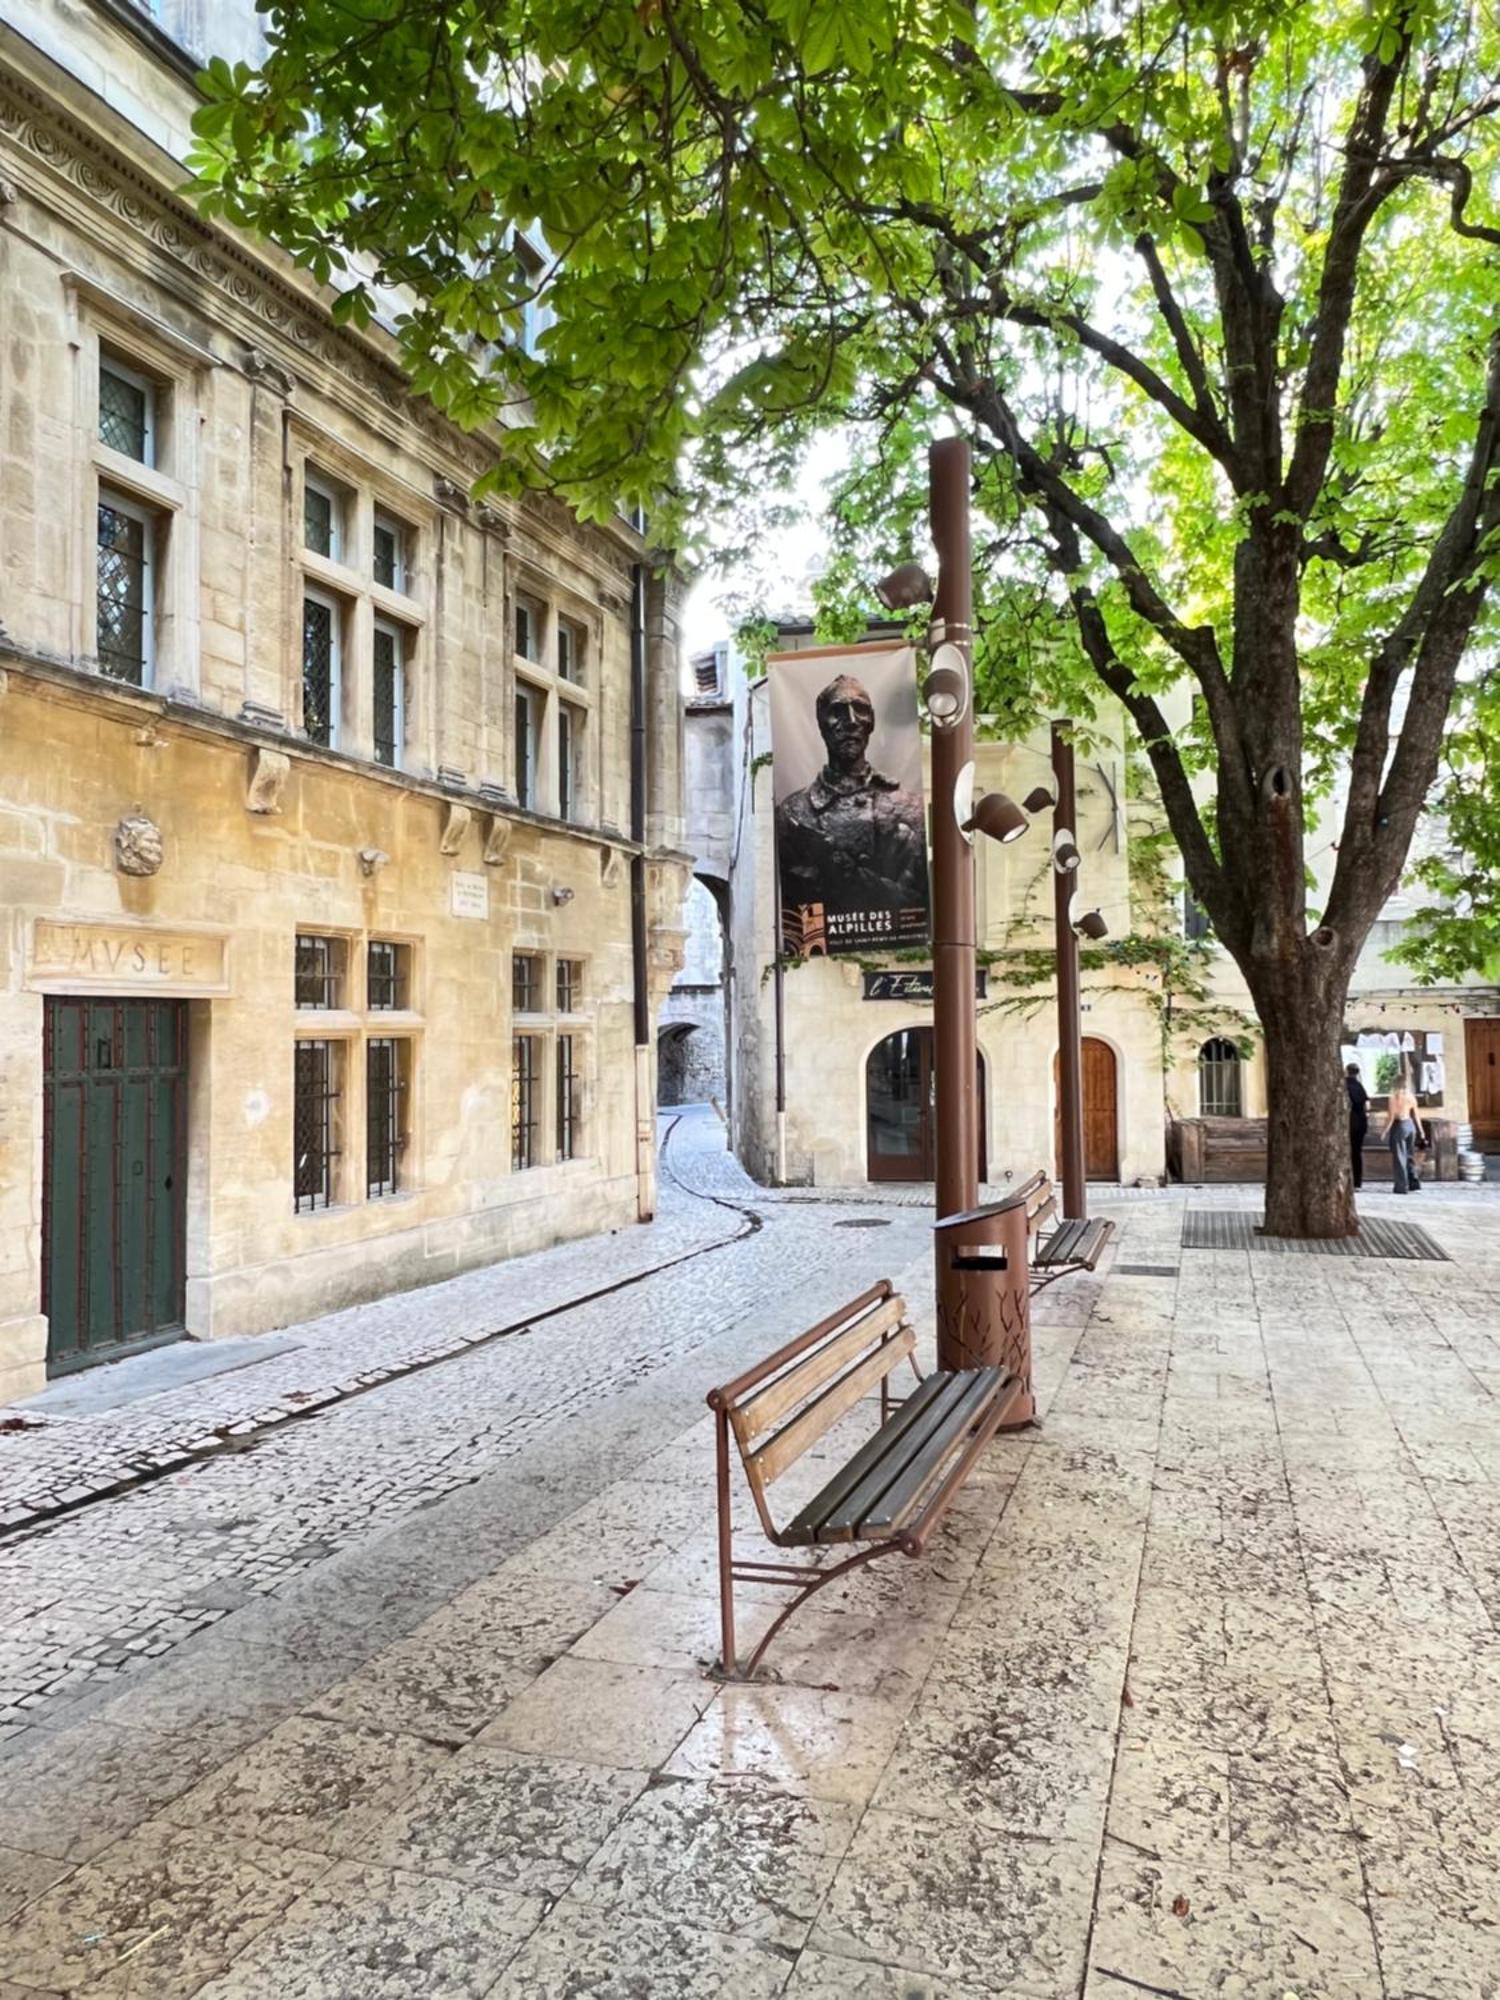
780	578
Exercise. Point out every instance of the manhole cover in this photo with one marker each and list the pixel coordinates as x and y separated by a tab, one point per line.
865	1222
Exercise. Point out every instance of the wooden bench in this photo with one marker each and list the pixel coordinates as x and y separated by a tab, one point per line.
891	1493
1067	1246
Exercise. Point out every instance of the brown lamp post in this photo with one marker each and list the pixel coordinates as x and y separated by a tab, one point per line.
1065	859
964	1333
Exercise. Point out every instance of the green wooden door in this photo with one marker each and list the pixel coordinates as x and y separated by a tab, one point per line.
116	1176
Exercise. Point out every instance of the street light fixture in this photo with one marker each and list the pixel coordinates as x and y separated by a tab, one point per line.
1037	800
999	817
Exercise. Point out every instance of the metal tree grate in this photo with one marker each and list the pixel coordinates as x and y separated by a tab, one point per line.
1214	1229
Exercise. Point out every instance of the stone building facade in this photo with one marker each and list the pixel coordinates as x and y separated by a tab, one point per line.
333	908
830	1060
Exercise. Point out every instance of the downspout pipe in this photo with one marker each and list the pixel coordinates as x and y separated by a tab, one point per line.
638	801
645	1101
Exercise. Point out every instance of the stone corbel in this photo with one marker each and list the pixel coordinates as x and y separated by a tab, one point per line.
496	840
455	826
269	771
261	715
611	867
666	952
450	493
371	861
494	523
270	374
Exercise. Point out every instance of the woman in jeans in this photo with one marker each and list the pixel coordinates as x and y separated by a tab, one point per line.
1401	1133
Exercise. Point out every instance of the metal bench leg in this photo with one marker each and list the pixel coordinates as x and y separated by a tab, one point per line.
726	1552
819	1579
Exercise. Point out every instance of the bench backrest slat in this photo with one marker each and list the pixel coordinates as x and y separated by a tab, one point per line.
788	1444
1042	1207
760	1412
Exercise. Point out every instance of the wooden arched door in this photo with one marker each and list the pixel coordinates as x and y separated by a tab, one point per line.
1101	1113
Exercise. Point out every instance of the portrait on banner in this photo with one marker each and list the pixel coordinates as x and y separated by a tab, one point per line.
851	824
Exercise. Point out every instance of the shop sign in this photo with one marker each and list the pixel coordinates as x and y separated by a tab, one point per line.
469	895
915	985
126	958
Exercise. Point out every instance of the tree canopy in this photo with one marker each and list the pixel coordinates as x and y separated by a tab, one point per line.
1212	284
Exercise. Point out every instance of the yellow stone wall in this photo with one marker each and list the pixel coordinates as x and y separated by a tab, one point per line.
265	834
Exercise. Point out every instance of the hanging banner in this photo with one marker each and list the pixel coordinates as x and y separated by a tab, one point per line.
851	827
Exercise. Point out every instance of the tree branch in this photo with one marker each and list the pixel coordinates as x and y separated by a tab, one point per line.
1188	352
1361	193
1434	629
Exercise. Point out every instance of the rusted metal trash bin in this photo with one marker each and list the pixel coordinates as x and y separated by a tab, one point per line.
984	1295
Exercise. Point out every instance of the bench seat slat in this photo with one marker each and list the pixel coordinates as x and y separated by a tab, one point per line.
900	1455
1054	1250
833	1520
1073	1243
804	1528
888	1513
1096	1235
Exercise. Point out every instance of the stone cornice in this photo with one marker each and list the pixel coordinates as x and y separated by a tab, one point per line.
145	710
272	307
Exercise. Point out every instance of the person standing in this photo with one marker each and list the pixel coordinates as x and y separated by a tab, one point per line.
1402	1133
1359	1120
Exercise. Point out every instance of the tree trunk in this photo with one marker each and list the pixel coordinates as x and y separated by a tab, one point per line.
1309	1180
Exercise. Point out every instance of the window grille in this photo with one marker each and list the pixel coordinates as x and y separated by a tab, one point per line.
319	668
390	693
1219	1093
125	411
706	675
569	985
525	983
385	1120
124	591
569	651
313	1125
567	1098
523	1102
319	519
390	553
567	738
525	747
319	974
386	979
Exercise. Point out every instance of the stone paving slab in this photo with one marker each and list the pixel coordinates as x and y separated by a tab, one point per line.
1198	1695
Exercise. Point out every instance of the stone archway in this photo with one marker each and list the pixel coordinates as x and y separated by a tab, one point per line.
675	1083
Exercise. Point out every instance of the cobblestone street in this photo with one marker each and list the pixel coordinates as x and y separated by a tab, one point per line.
1196	1695
311	1451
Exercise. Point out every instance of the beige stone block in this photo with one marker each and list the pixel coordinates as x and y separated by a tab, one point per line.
384	1933
156	1915
603	1713
22	833
614	1958
32	884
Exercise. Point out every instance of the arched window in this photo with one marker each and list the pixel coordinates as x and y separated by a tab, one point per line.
1219	1080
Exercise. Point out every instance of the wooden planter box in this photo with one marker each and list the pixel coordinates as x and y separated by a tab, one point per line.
1202	1151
